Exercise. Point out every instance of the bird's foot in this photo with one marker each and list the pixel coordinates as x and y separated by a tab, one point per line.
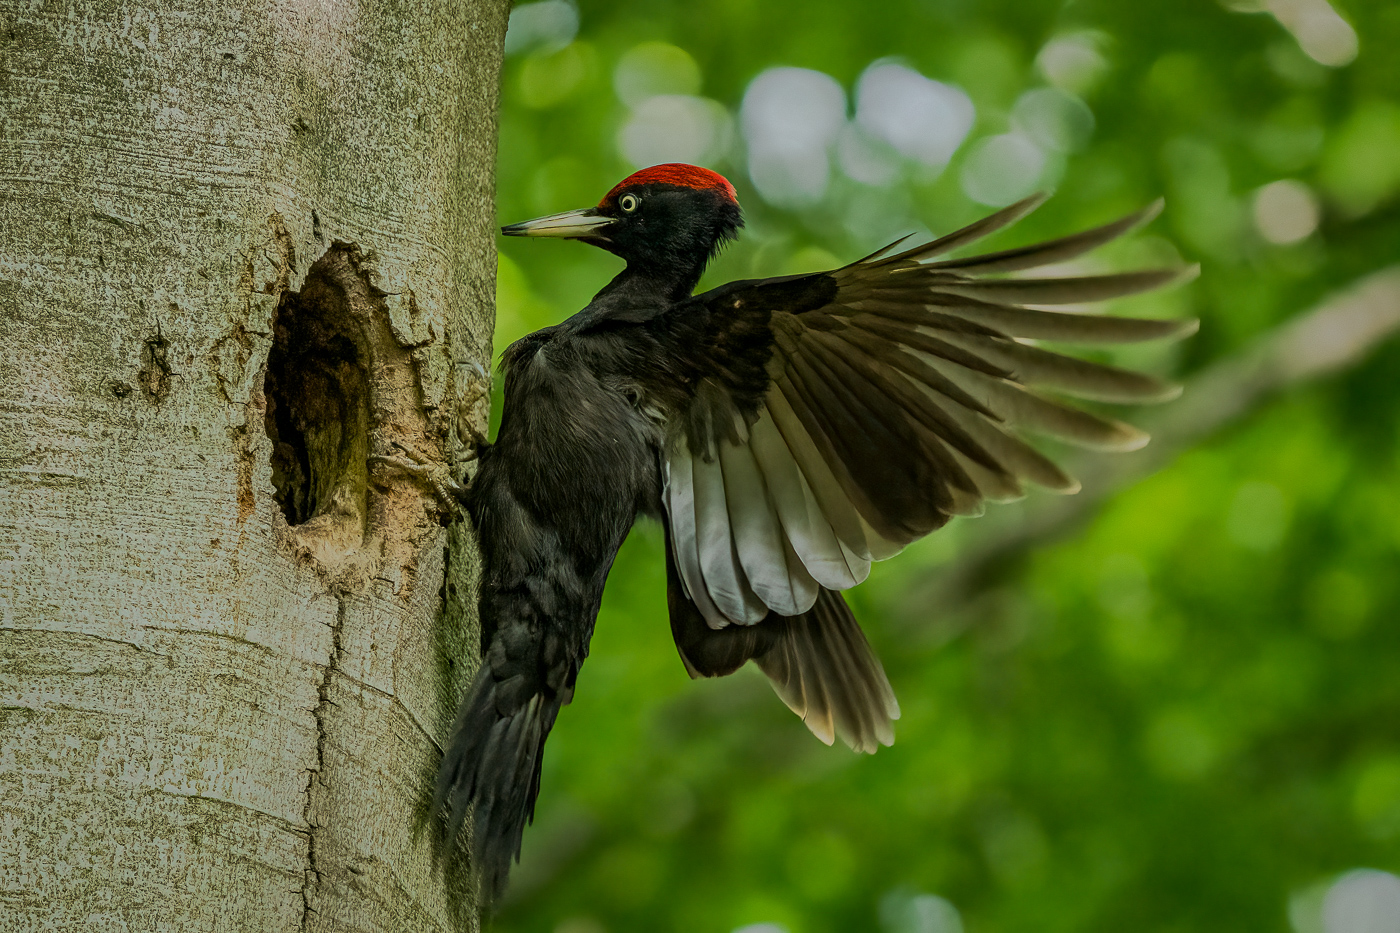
416	465
475	438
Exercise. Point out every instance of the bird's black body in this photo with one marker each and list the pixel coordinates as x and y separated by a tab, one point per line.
576	460
553	500
786	431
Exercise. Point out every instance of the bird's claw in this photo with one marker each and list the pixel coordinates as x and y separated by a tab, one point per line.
477	439
435	476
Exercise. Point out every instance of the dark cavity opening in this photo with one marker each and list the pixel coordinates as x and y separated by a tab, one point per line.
317	391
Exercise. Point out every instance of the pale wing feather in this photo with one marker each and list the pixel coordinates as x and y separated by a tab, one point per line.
723	575
826	489
680	506
759	540
804	524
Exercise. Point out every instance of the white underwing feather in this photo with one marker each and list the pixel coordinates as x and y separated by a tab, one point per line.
758	534
804	524
724	578
680	506
835	505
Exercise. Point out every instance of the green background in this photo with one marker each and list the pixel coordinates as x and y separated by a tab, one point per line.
1181	711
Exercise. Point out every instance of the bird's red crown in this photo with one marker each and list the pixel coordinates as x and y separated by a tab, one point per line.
673	173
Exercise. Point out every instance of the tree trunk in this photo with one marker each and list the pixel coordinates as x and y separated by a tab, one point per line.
244	248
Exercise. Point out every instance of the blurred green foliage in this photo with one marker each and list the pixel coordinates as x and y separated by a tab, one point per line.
1185	715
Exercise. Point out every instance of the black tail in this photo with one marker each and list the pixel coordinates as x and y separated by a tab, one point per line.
825	671
493	760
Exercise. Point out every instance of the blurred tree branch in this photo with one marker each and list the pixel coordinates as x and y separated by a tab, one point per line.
1335	335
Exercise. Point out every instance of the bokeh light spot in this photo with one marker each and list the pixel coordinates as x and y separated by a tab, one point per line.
1321	33
580	925
906	911
549	80
1179	744
790	118
1002	169
1339	604
869	161
922	119
653	68
673	128
1362	901
1285	211
1359	166
1015	847
547	26
1055	119
821	865
1074	61
1376	801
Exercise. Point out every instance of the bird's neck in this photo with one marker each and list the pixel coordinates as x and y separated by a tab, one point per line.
651	284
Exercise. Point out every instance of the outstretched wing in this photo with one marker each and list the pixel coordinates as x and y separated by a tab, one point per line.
832	419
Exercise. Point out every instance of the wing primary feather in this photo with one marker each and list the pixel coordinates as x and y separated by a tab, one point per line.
961	314
933	417
914	428
1037	367
1019	406
882	250
1068	290
942	347
826	488
804	586
1058	250
969	234
793	415
1017	458
878	452
990	486
896	355
916	308
1065	326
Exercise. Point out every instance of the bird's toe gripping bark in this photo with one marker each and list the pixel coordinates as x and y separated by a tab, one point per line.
432	474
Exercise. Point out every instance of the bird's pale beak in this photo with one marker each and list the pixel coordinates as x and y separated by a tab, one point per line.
584	224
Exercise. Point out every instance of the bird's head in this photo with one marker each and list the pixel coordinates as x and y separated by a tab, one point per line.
667	217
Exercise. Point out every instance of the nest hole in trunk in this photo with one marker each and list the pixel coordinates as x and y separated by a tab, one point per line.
318	403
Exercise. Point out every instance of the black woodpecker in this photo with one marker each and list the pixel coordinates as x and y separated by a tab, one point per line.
785	431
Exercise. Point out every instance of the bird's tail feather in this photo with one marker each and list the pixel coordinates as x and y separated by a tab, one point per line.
493	761
819	662
826	672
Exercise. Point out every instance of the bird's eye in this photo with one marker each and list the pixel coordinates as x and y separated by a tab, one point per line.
628	203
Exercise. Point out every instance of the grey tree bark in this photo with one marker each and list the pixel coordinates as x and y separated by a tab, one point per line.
245	246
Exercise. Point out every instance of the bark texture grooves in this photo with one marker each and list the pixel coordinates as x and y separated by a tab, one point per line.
222	682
